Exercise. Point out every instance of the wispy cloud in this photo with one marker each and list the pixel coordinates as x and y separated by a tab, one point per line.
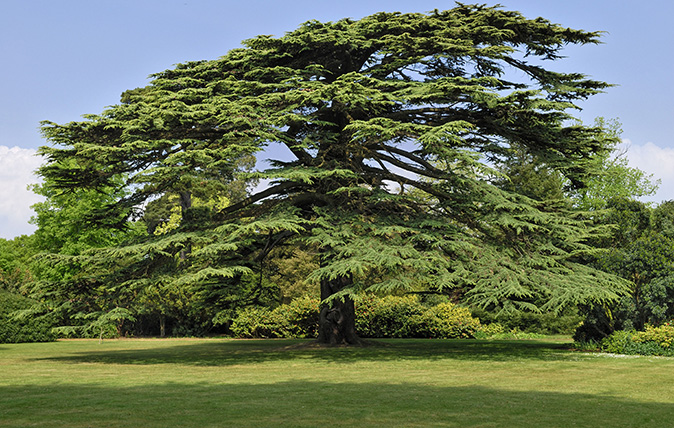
17	167
655	160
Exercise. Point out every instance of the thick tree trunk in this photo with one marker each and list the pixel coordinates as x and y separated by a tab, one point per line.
337	323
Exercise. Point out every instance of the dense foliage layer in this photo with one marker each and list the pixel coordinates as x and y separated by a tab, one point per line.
384	134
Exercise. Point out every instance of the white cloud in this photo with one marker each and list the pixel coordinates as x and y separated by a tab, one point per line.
17	167
656	160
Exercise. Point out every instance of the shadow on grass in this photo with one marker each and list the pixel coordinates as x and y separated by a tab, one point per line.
231	352
313	404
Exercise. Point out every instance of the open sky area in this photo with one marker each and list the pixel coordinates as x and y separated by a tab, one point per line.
63	59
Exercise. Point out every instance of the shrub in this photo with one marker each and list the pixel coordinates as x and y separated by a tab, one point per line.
620	342
300	317
296	319
257	322
488	331
406	316
530	322
15	330
446	321
662	335
389	316
638	343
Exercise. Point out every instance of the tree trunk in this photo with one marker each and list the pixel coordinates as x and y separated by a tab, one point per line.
162	325
337	323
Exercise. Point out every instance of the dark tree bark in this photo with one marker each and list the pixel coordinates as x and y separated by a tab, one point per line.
337	323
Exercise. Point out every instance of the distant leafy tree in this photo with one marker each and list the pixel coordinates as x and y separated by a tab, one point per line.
392	125
15	256
641	250
612	178
62	219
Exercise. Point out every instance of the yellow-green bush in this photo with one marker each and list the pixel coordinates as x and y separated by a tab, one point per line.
446	321
663	335
651	341
389	316
406	316
296	319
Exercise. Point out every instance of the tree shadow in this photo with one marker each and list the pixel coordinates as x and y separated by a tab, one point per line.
238	352
313	404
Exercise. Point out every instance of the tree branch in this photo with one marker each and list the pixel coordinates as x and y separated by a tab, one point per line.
428	172
270	191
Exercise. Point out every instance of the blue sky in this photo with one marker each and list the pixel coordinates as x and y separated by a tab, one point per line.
62	59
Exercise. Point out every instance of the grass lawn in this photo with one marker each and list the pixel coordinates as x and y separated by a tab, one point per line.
289	383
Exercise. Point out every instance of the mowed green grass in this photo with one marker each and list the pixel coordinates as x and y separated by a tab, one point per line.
291	383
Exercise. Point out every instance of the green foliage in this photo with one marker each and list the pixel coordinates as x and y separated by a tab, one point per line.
663	335
256	322
489	331
620	342
613	178
405	316
446	321
15	263
393	124
389	316
64	223
15	328
513	335
528	176
640	250
530	322
300	317
288	267
102	324
652	341
296	319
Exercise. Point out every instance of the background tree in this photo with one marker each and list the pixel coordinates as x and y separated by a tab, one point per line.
15	262
391	124
613	178
641	250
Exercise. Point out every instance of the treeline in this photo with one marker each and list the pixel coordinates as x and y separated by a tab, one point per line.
277	301
49	285
408	165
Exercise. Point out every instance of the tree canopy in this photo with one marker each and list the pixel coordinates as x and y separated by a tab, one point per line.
389	129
